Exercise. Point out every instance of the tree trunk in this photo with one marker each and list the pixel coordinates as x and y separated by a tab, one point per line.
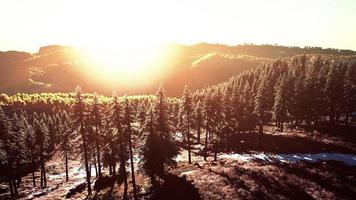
32	169
96	168
15	187
41	172
228	141
33	178
132	168
98	161
66	163
153	181
44	175
215	150
114	169
198	133
206	145
347	118
124	174
86	159
188	138
260	131
98	151
11	189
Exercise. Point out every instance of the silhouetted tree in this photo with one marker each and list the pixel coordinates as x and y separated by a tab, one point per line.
127	120
96	122
79	117
198	119
186	114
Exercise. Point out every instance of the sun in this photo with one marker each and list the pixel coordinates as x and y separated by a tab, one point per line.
126	64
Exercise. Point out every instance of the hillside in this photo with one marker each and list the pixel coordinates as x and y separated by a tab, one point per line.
58	68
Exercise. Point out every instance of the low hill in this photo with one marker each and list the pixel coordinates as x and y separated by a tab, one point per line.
59	68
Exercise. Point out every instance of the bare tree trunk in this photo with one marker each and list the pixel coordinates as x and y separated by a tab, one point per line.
15	187
132	168
44	175
198	132
188	138
124	174
260	131
11	189
66	163
33	178
95	167
98	151
86	158
41	171
114	169
215	150
206	145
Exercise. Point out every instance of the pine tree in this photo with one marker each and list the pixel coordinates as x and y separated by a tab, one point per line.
281	102
150	161
121	140
29	141
42	144
79	117
198	119
141	114
159	149
8	152
208	114
127	120
164	129
261	106
350	91
65	138
332	91
186	113
227	122
96	122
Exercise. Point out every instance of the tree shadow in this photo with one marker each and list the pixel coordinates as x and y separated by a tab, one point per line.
331	175
176	188
244	142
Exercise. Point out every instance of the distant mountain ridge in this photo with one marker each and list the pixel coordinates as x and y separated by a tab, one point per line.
58	68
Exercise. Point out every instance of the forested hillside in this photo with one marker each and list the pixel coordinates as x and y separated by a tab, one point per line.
61	68
304	92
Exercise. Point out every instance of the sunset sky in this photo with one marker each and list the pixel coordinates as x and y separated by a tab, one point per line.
28	24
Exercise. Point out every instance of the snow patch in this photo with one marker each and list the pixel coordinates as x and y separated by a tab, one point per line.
348	159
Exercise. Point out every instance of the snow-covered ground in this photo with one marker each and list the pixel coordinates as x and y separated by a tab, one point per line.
349	159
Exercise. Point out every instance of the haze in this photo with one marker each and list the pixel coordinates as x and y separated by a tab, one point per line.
118	25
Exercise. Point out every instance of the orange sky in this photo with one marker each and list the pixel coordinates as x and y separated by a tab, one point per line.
118	25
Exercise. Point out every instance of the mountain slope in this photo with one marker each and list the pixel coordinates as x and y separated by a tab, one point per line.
58	68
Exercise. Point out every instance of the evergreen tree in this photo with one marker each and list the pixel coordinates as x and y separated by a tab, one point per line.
159	149
332	91
227	123
121	140
281	102
96	122
261	106
198	119
8	151
79	117
208	114
186	113
127	120
150	161
350	91
42	144
29	141
65	138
